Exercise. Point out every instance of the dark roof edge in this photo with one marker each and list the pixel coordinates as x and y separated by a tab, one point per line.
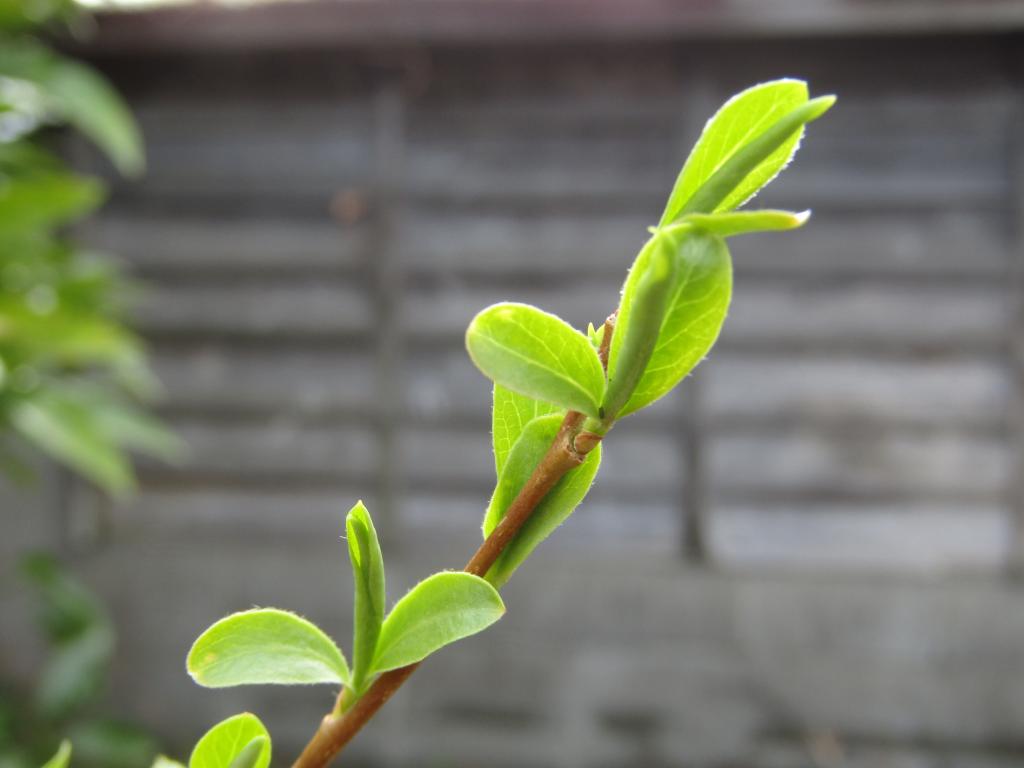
319	23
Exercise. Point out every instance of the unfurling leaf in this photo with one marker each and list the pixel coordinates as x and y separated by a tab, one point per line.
743	147
229	741
537	355
638	332
733	223
511	412
251	753
438	611
368	575
265	646
63	757
694	312
552	510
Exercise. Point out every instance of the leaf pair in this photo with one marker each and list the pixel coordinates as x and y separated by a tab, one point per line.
270	646
743	147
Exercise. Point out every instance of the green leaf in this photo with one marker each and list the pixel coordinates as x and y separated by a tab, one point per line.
509	414
46	200
78	94
75	672
697	303
67	431
439	610
226	741
744	222
537	355
265	646
162	761
553	509
368	575
63	757
743	147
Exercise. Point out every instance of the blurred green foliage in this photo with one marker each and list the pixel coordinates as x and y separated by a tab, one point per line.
67	699
72	374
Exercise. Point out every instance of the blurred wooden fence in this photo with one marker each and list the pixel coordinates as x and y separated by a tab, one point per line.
810	548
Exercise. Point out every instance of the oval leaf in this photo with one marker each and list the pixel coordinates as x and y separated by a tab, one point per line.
697	305
510	413
265	646
537	355
553	509
439	610
229	739
368	575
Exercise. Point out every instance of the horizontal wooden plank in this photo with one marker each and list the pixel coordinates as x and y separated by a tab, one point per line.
224	379
851	390
256	307
250	515
869	315
805	463
916	538
559	241
265	451
262	148
162	245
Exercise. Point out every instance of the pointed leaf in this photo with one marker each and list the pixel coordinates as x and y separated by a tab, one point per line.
80	95
439	610
368	575
227	740
743	147
63	757
553	509
265	646
510	413
744	222
696	308
537	355
67	431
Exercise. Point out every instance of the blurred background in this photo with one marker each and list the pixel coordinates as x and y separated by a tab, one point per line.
809	557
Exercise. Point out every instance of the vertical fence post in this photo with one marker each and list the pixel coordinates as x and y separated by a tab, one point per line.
1016	329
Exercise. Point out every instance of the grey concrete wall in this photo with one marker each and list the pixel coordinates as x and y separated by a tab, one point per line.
805	558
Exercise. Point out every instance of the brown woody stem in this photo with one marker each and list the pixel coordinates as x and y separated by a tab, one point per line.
568	450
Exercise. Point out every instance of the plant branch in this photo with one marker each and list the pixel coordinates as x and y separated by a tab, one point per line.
568	450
